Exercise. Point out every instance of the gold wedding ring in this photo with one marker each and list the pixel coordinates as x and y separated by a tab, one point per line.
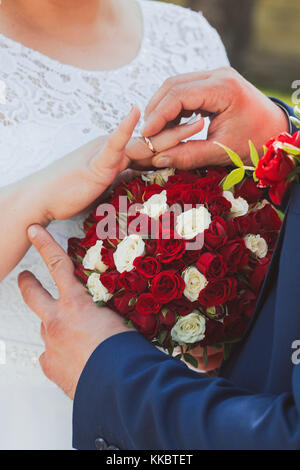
149	143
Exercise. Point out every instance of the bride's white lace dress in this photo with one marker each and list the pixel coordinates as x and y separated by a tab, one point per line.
52	108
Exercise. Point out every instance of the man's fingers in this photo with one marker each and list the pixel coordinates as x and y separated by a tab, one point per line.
170	83
35	296
206	96
189	155
57	261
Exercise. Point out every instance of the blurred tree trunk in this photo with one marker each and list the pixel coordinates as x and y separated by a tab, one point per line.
233	19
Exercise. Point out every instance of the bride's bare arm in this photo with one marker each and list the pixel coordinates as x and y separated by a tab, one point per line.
72	183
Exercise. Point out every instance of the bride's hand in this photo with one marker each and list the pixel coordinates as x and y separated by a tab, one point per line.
74	182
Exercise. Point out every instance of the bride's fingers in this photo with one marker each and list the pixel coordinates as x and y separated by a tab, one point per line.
138	150
35	296
116	144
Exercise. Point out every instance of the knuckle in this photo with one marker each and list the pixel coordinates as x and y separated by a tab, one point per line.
54	262
54	326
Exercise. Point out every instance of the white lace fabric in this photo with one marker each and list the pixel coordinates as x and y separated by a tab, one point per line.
53	108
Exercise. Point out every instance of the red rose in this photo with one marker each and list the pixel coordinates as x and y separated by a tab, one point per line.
121	303
193	196
211	265
209	184
151	247
182	176
218	292
147	266
110	280
74	249
191	256
146	324
216	235
141	225
168	320
235	325
147	305
167	286
274	167
218	206
267	218
235	254
249	191
277	192
240	226
133	282
90	238
107	255
219	173
80	272
214	333
151	190
174	193
182	306
259	273
170	248
137	188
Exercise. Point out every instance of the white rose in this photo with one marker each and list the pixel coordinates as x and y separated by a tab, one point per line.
193	222
158	176
97	289
93	258
239	206
156	205
189	329
257	245
127	250
195	282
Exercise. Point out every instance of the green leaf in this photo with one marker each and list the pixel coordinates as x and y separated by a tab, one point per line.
235	177
233	156
253	154
178	356
280	215
295	121
255	177
100	303
297	111
291	149
191	360
165	312
265	148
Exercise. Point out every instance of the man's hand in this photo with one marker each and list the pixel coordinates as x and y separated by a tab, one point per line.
238	110
72	326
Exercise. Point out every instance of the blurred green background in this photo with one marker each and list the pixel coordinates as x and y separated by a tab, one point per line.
262	38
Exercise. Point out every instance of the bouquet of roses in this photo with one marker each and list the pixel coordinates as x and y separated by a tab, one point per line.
180	256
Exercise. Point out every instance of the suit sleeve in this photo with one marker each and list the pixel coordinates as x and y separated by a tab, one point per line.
136	397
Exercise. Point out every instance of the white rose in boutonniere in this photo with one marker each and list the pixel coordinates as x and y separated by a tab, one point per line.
97	289
195	282
189	329
239	205
193	222
127	250
257	245
156	205
93	259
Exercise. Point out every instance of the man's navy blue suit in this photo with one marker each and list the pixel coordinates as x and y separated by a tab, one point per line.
136	397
